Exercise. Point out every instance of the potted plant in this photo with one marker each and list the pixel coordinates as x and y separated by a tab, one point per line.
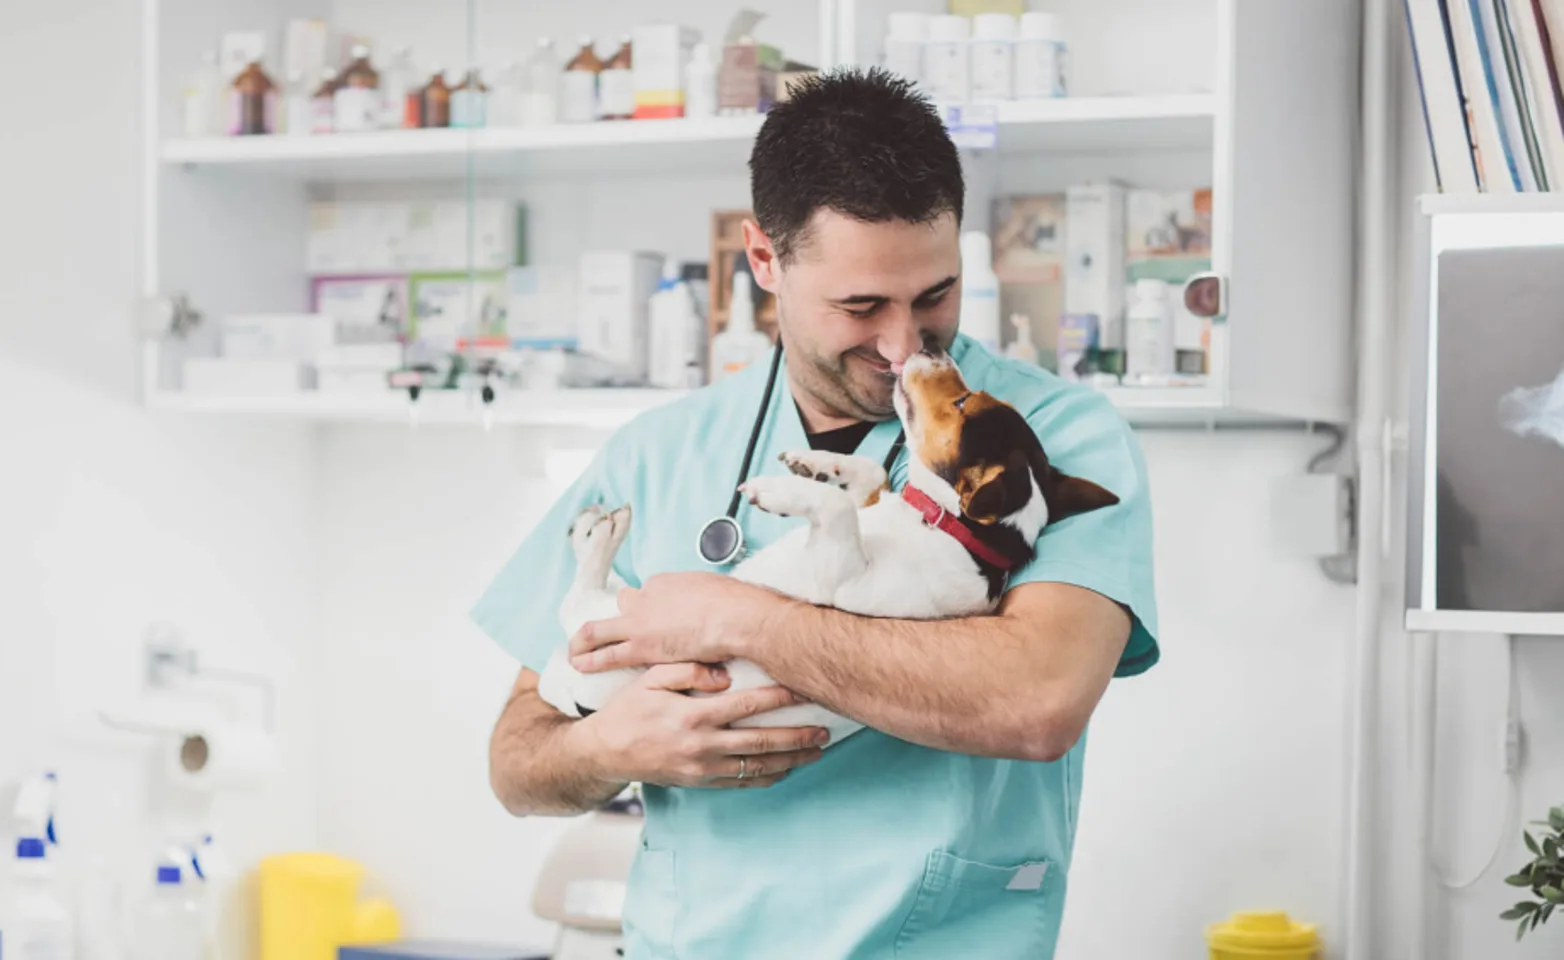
1544	875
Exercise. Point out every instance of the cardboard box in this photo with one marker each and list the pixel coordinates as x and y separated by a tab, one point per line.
1168	238
299	337
450	308
355	238
747	77
661	53
1094	261
233	377
541	307
1029	255
367	309
613	306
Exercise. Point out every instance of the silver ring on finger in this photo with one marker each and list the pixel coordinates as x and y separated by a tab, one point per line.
743	767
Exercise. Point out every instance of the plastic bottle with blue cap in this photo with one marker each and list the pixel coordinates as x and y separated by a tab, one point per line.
169	924
35	924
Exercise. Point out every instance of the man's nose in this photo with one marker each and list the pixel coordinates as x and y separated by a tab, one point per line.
899	340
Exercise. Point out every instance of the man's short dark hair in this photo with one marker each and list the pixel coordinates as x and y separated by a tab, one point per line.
862	143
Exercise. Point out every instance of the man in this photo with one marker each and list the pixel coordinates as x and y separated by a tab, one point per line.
946	828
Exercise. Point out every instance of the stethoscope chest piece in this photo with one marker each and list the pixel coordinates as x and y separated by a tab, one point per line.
721	541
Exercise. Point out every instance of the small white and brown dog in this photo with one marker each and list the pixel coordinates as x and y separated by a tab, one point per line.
979	492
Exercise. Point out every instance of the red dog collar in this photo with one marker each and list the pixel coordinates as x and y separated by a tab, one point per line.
937	516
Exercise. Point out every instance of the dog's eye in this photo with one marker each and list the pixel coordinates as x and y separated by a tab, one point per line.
961	401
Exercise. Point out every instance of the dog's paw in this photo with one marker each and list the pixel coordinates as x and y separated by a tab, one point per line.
782	496
598	532
818	465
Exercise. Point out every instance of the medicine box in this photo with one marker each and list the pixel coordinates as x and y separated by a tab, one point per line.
234	377
1029	253
613	307
1094	258
275	336
1078	336
366	309
349	238
1168	237
449	309
661	52
747	77
541	307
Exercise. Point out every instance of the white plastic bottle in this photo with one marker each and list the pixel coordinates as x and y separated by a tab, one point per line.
993	57
1148	333
979	291
672	323
1041	58
740	343
540	94
1022	348
700	83
397	81
947	59
204	98
170	925
904	43
34	923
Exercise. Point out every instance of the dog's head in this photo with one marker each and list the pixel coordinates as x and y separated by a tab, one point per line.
983	452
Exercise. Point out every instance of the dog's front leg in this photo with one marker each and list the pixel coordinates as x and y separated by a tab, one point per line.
835	551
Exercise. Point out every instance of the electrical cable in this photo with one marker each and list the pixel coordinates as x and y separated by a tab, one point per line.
1512	776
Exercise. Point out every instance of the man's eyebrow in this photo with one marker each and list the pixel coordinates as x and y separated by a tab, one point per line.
878	298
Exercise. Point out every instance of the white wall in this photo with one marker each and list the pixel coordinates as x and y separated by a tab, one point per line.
110	518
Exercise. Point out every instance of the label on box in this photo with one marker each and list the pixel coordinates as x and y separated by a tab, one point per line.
972	126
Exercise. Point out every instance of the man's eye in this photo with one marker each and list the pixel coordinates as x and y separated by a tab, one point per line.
862	314
932	301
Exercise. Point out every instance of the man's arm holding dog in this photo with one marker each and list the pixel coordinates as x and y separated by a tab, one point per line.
544	763
1020	684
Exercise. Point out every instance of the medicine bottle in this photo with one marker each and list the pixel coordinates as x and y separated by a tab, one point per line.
578	87
904	43
253	102
540	90
1041	58
947	59
616	85
357	98
323	103
437	101
993	42
469	101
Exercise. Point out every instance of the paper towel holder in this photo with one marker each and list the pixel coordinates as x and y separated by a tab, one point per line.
167	658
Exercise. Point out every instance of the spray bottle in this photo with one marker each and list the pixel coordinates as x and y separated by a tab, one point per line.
34	922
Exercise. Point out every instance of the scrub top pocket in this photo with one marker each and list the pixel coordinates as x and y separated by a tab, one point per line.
966	908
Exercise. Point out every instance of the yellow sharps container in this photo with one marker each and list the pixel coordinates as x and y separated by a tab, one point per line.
1263	936
310	905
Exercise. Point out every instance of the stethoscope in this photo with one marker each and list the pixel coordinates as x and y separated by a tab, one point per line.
722	539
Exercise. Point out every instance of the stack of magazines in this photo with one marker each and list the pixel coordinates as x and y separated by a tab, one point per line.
1488	72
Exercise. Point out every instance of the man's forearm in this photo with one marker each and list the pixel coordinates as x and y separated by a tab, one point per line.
537	766
1020	686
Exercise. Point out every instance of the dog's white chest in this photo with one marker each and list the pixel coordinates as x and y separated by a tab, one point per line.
913	571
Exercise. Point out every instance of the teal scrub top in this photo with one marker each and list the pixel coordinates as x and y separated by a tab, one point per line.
883	848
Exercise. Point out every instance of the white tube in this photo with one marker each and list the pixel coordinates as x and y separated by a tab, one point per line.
1375	310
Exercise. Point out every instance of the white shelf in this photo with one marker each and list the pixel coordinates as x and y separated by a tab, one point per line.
609	408
1067	125
1486	621
1450	203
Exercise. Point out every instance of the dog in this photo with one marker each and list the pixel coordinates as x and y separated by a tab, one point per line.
979	492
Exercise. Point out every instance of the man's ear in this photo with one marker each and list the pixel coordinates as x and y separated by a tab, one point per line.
763	263
989	493
1068	496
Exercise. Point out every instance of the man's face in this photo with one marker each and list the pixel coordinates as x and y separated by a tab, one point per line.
857	299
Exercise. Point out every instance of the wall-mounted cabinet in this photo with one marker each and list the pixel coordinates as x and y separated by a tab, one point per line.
405	235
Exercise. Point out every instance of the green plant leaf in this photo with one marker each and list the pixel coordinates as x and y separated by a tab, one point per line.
1554	894
1546	912
1518	911
1556	818
1521	931
1531	843
1519	880
1550	850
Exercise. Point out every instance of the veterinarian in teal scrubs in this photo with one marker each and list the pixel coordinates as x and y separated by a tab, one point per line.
946	829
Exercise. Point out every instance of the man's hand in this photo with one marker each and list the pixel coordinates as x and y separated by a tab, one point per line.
675	618
651	732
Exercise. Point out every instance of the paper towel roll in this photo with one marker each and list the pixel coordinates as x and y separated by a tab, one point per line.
222	756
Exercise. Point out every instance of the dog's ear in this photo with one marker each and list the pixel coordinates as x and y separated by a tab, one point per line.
1068	496
995	490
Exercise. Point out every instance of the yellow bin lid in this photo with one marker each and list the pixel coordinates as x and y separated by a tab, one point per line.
1262	930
